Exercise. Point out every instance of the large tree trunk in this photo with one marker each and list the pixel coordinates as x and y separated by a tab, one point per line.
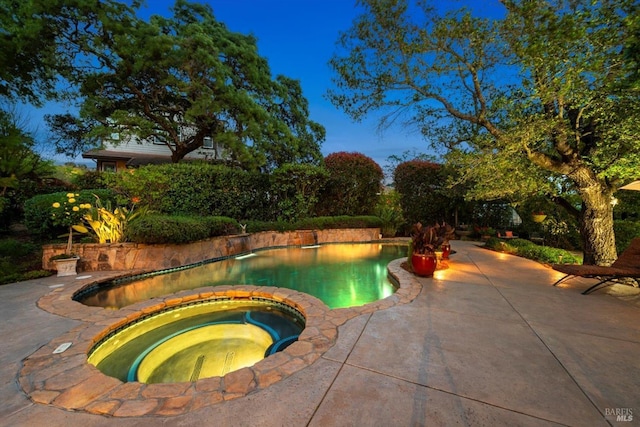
596	226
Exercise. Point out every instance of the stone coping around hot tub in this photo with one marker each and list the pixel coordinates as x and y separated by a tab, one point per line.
66	380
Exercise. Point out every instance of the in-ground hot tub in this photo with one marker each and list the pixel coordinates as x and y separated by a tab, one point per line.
198	340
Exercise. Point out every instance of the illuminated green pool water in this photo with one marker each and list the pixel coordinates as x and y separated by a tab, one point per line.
341	275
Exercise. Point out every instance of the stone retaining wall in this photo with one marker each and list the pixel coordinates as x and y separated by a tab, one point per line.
138	256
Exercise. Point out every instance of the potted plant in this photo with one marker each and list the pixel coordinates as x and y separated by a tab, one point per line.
486	232
447	232
424	242
68	213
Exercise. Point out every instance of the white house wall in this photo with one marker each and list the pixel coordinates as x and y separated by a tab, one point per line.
148	147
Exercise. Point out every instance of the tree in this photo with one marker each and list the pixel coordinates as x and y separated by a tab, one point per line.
353	185
539	101
423	193
39	44
293	138
19	162
182	79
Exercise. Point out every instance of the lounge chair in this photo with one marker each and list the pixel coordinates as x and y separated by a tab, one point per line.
626	266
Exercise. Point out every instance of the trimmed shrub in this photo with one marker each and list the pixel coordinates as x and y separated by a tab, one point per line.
221	225
352	187
91	179
625	231
157	228
530	250
20	261
317	223
203	189
147	185
196	188
37	210
15	248
297	187
167	229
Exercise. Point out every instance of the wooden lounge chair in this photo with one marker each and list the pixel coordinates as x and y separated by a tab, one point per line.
626	266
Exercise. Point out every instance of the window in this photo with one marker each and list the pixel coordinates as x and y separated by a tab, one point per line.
108	167
207	142
158	140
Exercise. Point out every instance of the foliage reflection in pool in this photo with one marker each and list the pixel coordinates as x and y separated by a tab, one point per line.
341	275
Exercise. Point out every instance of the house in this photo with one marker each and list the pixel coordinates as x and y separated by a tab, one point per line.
116	155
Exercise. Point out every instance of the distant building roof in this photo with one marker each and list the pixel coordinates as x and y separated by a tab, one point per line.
132	159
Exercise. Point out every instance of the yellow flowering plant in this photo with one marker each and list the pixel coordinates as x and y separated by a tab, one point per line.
69	213
109	224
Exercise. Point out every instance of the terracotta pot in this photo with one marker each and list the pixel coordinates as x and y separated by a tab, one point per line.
423	265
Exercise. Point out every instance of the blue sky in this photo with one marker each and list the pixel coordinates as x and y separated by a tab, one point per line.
298	37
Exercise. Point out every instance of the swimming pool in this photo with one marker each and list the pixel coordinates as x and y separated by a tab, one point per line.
341	275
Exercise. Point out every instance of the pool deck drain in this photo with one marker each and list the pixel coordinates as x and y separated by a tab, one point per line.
488	341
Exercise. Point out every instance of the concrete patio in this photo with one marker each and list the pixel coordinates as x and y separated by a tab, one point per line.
487	342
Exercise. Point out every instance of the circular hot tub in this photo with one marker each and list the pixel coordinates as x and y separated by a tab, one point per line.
199	340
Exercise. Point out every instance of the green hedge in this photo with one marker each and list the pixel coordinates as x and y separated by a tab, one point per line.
196	188
352	187
37	210
317	223
15	248
625	232
157	228
530	250
296	189
18	260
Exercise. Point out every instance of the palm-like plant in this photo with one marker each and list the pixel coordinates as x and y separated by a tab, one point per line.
426	240
109	224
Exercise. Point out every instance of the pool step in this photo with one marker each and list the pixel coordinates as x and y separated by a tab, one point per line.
228	361
195	375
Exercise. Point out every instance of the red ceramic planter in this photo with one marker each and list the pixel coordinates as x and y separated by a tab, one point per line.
423	265
446	251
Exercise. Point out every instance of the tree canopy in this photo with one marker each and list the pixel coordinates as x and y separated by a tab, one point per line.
39	44
18	160
177	80
353	185
541	101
